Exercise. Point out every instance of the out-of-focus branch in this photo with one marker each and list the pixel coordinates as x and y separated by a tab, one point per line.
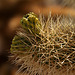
55	10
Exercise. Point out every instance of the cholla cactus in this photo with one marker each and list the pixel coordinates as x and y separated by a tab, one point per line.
43	46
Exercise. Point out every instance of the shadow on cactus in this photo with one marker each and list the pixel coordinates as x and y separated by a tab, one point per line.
43	47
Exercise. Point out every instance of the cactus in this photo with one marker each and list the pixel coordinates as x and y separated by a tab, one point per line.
41	46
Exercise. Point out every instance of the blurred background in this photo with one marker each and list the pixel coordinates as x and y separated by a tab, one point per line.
11	12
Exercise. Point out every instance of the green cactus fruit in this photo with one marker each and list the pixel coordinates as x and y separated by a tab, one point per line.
51	46
30	22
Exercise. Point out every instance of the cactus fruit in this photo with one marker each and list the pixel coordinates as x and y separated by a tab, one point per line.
30	22
41	45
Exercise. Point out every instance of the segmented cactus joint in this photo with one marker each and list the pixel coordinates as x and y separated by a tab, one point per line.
49	44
